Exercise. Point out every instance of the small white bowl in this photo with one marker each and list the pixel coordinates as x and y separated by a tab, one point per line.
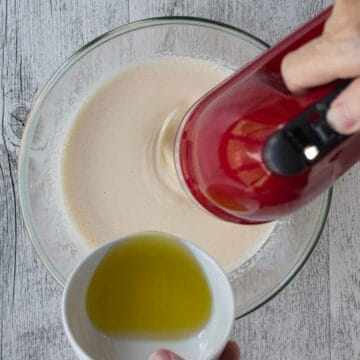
89	343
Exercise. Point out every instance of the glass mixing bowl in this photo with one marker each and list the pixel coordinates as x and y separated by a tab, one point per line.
58	244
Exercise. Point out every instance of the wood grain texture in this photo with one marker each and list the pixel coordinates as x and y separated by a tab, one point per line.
270	20
316	317
37	37
344	267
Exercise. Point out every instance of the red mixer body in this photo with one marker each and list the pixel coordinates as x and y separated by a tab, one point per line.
221	141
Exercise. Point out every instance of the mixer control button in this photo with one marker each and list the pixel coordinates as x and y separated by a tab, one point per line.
321	108
324	131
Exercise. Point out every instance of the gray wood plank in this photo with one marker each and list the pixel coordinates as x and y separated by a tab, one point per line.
270	20
344	225
37	37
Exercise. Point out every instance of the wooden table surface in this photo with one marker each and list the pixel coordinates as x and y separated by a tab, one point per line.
316	317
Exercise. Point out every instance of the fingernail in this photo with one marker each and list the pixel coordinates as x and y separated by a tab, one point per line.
340	119
160	355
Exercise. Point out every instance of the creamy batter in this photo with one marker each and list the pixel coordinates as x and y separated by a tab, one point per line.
118	171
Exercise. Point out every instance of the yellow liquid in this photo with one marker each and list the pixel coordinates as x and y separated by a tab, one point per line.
149	286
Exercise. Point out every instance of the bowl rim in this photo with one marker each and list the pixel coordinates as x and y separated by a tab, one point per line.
268	295
42	95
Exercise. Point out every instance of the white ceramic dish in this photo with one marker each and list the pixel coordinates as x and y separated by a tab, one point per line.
89	343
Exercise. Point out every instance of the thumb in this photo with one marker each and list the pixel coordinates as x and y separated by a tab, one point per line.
344	113
164	355
231	352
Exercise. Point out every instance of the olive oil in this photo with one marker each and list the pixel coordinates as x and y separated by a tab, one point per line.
149	286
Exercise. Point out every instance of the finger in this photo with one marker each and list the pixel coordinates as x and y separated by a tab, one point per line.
344	113
344	21
231	352
164	355
321	61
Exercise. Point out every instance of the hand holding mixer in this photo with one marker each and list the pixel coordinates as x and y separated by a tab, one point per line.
251	152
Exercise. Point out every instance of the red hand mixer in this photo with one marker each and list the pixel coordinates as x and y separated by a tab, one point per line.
250	152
